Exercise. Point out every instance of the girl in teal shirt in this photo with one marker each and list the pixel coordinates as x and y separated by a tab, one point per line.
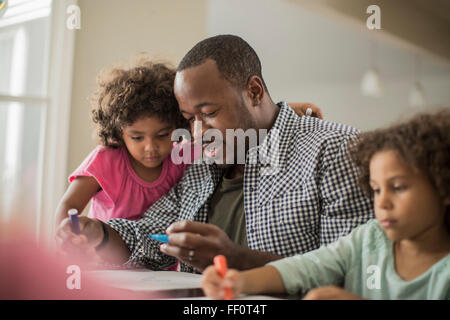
403	253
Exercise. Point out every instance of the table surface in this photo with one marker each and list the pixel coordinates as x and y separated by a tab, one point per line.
191	293
175	293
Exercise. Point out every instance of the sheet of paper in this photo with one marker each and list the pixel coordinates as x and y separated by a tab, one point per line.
145	280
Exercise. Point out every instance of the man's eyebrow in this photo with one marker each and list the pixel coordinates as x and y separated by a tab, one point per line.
204	104
200	105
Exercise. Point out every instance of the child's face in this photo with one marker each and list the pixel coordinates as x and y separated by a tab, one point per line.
406	203
148	141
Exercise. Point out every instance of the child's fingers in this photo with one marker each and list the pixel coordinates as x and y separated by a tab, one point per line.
63	231
70	243
63	239
212	283
232	281
64	234
211	276
76	241
80	240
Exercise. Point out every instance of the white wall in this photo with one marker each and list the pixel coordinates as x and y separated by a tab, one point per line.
112	31
308	57
305	56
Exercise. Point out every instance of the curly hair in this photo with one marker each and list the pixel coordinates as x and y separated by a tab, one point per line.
125	95
423	142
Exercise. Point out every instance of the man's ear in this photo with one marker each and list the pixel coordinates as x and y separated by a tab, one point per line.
255	90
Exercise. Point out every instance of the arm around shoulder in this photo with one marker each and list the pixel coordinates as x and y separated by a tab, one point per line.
344	205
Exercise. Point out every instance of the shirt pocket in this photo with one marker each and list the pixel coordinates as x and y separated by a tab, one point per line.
295	220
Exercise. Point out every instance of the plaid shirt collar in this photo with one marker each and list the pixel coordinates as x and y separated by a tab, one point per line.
275	146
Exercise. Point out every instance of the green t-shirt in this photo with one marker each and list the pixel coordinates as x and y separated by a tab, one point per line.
227	209
362	263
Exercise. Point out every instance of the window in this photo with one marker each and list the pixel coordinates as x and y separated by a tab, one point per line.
30	66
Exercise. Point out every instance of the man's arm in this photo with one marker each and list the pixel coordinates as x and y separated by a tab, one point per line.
198	243
344	205
245	258
144	251
114	250
122	241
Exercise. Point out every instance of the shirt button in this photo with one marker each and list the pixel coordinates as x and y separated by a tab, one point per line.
141	250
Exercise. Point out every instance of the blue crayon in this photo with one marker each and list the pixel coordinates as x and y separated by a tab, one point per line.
159	237
74	224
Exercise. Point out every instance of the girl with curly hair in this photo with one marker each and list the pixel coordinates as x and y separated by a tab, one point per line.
135	111
403	253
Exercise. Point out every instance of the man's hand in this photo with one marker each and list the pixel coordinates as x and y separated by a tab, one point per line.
198	243
330	293
82	245
301	108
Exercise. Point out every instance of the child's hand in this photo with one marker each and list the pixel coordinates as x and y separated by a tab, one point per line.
330	293
82	244
214	285
301	108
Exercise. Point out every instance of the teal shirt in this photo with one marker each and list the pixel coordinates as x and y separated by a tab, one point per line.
362	263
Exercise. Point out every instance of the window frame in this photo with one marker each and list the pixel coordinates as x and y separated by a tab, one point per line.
53	150
57	122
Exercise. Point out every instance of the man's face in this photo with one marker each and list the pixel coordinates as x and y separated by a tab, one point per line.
207	98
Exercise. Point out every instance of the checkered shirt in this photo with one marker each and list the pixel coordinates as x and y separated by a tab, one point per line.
308	199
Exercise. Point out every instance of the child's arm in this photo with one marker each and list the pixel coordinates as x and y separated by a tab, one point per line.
331	293
266	279
77	196
325	266
300	109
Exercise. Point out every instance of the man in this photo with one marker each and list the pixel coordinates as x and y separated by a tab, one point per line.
251	215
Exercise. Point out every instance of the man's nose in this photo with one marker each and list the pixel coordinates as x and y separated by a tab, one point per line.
199	128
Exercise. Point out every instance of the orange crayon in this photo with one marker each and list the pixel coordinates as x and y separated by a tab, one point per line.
220	262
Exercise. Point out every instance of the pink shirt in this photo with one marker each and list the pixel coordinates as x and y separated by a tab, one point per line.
124	194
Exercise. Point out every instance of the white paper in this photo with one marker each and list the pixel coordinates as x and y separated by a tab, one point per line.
146	280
